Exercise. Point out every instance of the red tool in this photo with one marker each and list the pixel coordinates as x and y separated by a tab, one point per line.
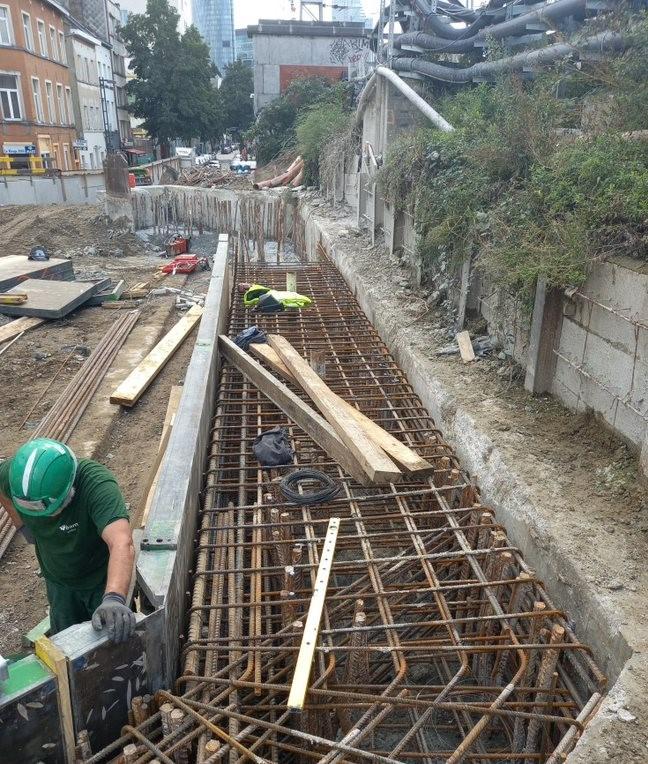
185	264
177	245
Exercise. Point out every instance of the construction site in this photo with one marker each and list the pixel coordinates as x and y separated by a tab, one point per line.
381	510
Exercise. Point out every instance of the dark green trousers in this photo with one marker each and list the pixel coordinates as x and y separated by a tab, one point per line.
69	606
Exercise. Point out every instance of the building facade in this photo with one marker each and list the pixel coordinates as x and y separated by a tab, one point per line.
244	46
36	118
214	20
289	50
84	55
351	10
119	56
183	8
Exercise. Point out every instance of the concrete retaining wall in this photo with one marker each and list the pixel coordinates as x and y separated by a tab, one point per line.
69	188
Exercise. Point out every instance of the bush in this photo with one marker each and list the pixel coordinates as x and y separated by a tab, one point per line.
522	198
317	127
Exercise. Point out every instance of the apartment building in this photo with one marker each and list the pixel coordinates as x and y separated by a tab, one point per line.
119	56
36	114
85	54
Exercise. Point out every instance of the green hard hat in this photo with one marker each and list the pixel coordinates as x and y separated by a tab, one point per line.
40	477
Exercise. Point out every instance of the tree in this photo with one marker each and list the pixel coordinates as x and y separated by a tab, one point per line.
274	130
235	92
172	91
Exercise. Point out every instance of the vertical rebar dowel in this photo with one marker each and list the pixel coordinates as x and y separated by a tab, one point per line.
534	634
176	717
545	674
165	716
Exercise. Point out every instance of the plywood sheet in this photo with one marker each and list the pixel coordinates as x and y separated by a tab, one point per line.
51	299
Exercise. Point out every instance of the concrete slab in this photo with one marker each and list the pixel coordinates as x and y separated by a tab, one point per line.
15	269
51	299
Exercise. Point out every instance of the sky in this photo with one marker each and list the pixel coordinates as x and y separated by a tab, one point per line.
250	11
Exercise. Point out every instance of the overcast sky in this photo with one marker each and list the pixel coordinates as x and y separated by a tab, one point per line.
250	11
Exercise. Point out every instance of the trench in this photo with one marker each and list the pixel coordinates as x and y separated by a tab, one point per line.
439	639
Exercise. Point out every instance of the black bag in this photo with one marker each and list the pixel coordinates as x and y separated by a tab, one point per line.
272	448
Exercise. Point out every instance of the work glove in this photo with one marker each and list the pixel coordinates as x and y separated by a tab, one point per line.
115	616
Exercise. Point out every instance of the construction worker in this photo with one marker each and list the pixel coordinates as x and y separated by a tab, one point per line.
75	514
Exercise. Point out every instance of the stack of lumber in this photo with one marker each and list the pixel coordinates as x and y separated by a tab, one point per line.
366	451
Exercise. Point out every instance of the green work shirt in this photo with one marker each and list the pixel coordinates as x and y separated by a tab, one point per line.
69	546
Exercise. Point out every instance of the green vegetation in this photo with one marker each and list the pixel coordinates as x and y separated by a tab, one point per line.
303	118
521	191
236	96
173	91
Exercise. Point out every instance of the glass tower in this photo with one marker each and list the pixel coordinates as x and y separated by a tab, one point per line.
351	10
215	22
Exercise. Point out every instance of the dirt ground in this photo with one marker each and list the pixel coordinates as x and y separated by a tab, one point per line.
125	440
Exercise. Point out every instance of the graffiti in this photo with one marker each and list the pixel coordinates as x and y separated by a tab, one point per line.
345	50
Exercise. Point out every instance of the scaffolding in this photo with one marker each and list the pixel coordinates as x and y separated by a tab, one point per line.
437	642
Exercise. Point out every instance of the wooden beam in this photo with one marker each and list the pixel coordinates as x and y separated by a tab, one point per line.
137	382
374	461
52	657
301	413
19	325
465	347
403	455
304	662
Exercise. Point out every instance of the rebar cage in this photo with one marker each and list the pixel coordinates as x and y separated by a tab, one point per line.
437	642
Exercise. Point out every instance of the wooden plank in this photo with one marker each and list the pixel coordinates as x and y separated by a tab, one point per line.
17	326
373	460
294	407
137	382
404	456
172	407
465	347
304	662
52	657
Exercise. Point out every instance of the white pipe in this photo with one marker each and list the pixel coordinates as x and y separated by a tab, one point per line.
413	97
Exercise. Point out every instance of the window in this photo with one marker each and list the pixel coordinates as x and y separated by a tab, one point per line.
9	97
49	97
66	156
226	43
61	103
42	40
87	70
62	53
70	109
27	32
86	123
53	44
6	32
38	103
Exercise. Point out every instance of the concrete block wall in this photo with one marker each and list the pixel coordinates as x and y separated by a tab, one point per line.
602	361
69	188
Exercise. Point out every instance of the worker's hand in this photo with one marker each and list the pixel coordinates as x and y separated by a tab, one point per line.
115	616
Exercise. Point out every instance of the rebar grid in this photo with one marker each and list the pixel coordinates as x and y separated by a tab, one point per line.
437	642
